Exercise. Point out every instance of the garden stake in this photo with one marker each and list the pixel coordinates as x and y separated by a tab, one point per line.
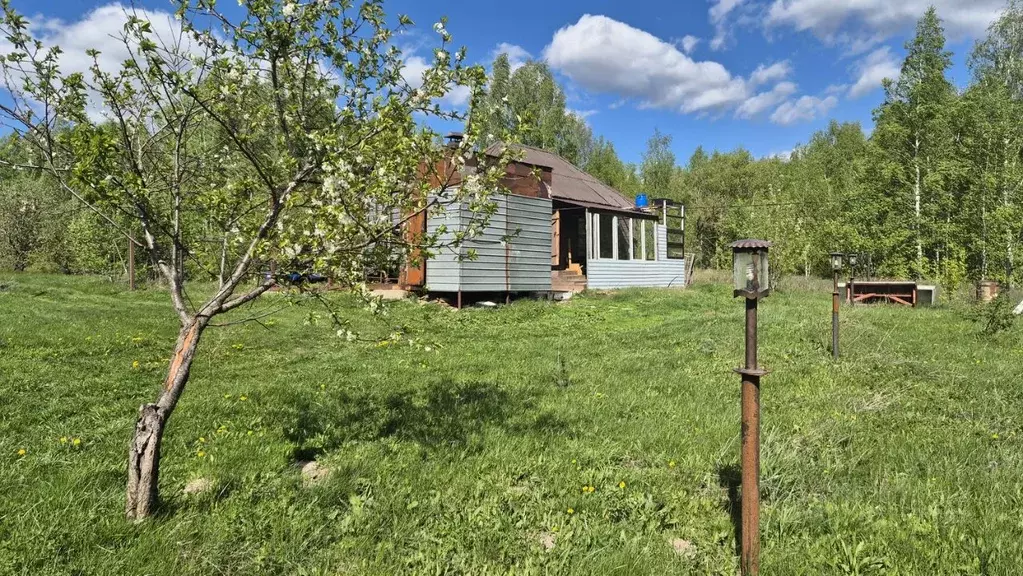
836	267
834	319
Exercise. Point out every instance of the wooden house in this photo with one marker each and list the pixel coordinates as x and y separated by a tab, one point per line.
558	229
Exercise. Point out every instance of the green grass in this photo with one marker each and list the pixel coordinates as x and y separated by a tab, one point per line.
906	457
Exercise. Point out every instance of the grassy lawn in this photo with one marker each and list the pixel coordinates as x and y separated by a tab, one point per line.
473	452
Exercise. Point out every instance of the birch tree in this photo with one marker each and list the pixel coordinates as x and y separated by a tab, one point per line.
913	135
997	65
293	126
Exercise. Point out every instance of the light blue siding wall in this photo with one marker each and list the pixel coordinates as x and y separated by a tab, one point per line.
523	265
604	274
443	269
529	229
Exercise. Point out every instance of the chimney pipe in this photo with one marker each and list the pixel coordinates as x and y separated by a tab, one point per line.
454	139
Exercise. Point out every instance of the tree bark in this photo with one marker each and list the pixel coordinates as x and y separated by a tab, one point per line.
916	210
143	494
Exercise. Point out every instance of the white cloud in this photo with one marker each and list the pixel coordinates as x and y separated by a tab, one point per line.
412	73
689	43
101	29
862	23
765	74
517	55
582	114
758	104
877	66
804	109
718	17
608	56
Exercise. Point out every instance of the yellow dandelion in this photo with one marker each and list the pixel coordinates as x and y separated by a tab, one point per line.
200	453
63	439
994	436
22	452
249	432
77	442
202	439
227	396
621	484
243	398
671	464
571	511
135	365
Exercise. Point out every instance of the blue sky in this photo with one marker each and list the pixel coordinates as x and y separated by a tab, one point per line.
761	74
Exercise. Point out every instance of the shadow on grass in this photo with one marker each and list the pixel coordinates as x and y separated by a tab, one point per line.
730	477
442	414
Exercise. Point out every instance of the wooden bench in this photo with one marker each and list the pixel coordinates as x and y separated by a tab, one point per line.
902	292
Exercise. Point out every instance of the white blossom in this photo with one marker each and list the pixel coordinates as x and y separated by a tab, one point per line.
289	9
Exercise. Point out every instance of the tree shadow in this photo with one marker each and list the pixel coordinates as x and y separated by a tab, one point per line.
730	477
444	413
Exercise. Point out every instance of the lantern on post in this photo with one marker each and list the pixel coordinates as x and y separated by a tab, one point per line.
836	267
751	279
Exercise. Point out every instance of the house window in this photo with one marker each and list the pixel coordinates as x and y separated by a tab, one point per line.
606	238
637	239
673	216
650	234
624	238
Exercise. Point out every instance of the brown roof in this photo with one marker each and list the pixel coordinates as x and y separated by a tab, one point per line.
569	183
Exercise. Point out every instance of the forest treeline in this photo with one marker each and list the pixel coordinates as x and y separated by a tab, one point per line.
934	190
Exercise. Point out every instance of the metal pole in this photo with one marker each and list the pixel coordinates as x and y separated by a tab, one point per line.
750	560
131	265
852	292
834	319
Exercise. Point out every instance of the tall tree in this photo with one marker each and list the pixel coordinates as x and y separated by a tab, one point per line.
914	135
658	165
604	165
313	131
494	111
995	103
530	103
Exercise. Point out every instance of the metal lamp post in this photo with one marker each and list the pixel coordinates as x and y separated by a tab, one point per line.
853	258
836	267
751	278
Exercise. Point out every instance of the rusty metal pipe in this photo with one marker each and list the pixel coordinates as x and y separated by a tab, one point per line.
750	545
834	320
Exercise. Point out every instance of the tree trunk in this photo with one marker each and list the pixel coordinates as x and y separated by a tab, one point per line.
144	451
1010	264
916	198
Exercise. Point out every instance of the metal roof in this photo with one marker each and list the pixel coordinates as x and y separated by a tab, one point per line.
750	243
569	183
